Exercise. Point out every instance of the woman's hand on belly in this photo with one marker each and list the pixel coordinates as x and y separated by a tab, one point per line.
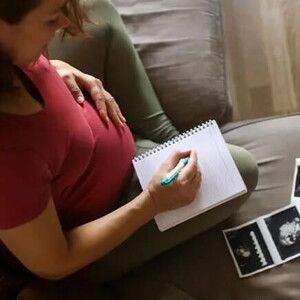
77	80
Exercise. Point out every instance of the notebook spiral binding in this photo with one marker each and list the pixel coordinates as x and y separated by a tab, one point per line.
174	140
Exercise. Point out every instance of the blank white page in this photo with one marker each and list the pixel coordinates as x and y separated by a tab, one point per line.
221	180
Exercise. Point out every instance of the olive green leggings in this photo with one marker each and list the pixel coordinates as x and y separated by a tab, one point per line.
111	57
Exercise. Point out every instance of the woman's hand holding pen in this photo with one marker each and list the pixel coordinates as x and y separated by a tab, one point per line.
180	191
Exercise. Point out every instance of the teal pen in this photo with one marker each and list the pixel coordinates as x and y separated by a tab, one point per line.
174	173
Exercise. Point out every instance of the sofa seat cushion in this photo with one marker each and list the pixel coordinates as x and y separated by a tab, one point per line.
203	267
181	46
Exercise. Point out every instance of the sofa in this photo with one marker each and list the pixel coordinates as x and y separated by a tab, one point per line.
180	44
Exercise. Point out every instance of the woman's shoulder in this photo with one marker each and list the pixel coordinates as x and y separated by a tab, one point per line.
21	102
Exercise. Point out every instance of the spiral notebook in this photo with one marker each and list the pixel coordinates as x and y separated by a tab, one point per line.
221	180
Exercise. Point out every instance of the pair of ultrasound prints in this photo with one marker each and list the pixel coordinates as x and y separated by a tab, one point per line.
269	240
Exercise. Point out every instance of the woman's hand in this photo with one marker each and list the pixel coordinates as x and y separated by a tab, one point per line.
182	190
77	80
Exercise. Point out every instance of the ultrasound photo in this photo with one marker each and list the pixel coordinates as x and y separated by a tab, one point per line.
249	249
285	231
297	183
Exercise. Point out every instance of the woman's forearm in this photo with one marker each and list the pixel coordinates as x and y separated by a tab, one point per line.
91	241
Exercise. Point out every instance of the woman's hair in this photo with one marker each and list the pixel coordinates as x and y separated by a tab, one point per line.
14	11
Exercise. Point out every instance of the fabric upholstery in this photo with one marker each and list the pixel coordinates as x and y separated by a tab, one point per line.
181	46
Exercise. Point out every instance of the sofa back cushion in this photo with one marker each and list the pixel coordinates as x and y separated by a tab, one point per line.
181	46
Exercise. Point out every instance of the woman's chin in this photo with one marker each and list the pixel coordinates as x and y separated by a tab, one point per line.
27	61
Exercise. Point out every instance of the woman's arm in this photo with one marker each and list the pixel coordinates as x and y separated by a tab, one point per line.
47	251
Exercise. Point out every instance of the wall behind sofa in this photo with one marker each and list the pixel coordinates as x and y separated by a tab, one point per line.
262	39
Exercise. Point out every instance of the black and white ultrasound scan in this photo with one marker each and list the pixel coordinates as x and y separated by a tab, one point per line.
265	242
295	195
248	249
284	228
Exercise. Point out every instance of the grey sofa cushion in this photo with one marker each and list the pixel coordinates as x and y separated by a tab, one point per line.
180	44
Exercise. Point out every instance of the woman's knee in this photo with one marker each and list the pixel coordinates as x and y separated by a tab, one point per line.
246	165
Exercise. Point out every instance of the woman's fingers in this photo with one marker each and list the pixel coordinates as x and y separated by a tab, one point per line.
121	117
74	88
105	103
102	109
114	110
191	169
173	159
196	180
